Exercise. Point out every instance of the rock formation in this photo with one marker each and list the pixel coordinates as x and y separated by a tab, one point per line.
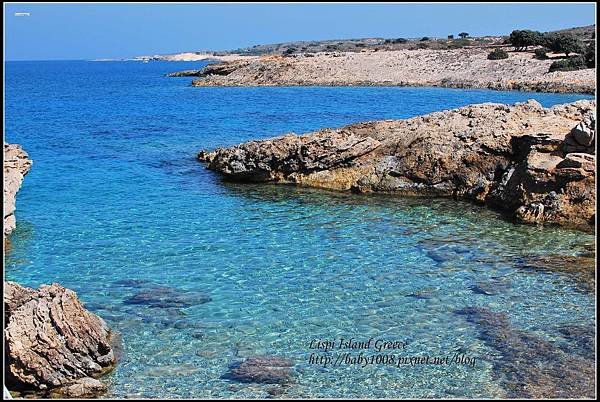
518	158
262	369
16	166
53	345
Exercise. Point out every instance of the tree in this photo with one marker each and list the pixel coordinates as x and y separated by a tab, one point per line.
522	38
450	36
563	43
463	34
424	38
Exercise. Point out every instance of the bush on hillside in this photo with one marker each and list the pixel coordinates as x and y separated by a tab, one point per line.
540	53
497	54
572	64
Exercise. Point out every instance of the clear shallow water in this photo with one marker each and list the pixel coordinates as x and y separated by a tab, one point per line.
115	193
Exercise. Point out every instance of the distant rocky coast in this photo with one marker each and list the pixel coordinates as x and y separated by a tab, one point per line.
451	68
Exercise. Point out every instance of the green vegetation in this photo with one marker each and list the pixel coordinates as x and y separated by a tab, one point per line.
450	36
563	43
523	38
424	38
463	35
571	64
497	54
540	53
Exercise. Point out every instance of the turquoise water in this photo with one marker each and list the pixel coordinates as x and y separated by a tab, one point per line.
115	194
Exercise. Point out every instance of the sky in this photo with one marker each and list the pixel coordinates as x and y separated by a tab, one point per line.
67	31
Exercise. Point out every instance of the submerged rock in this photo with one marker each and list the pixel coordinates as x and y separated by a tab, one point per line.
166	297
530	366
262	369
16	165
52	343
509	157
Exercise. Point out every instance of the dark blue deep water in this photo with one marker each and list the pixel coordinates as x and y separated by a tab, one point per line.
116	204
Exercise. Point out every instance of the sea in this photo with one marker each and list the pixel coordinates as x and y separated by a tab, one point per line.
196	274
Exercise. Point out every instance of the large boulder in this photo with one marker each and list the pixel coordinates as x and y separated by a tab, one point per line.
53	345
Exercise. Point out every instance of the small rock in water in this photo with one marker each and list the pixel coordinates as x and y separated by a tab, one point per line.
490	288
262	369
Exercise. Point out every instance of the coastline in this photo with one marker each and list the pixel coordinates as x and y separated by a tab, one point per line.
460	68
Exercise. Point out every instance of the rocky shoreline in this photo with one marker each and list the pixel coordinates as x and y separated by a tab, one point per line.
457	68
534	164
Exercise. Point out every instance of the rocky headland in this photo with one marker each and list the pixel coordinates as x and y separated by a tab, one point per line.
535	164
466	67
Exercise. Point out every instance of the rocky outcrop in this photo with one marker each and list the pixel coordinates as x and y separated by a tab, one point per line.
16	166
53	345
456	68
515	158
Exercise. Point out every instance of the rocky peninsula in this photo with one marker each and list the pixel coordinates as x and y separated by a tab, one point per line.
535	164
466	67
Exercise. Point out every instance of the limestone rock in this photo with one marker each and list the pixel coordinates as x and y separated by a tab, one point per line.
52	341
509	157
16	166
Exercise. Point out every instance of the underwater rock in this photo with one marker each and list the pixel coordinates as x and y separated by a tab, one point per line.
166	297
531	367
262	369
51	341
581	269
490	287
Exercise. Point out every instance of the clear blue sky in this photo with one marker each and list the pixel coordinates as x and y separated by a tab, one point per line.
87	31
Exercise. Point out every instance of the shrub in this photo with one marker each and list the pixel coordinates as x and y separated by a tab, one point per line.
289	50
463	34
458	43
424	38
540	53
572	64
522	38
563	43
497	54
400	40
450	36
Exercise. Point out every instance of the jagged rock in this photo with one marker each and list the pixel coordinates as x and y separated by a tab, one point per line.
16	166
582	137
509	157
262	369
52	341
